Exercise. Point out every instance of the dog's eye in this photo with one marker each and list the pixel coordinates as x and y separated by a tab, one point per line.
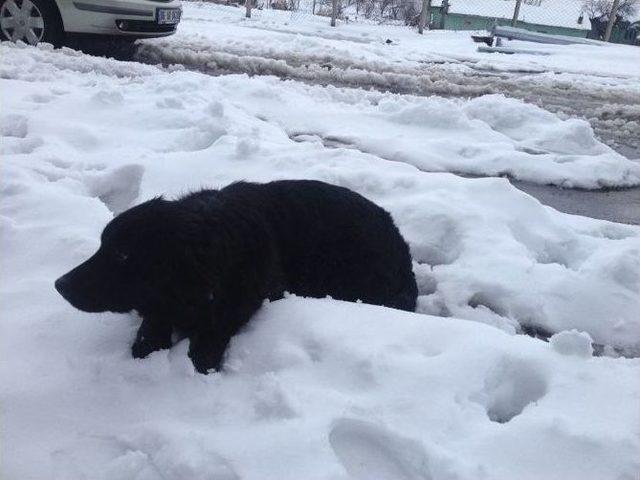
121	257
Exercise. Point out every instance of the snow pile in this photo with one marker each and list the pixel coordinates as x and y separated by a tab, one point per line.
313	388
490	135
572	342
299	38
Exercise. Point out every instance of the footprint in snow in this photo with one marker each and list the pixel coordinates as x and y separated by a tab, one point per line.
196	138
14	126
40	98
371	452
20	146
158	455
15	140
510	387
174	103
108	98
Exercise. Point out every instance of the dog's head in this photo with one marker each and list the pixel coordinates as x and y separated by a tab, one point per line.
141	258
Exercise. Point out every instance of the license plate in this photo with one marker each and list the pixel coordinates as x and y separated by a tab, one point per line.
168	16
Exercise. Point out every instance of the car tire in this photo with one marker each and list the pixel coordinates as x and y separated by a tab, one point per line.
31	21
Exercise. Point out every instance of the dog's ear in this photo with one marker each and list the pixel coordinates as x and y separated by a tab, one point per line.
156	202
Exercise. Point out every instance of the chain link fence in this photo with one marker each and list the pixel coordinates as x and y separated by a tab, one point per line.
579	18
618	20
563	17
401	12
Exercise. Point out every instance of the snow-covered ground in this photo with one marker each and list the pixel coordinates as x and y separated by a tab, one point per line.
597	83
207	28
316	389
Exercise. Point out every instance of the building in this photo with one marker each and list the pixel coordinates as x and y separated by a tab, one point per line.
556	17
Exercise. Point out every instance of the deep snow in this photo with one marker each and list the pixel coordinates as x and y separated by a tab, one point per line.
314	388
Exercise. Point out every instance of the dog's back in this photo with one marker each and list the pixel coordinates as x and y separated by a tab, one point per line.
330	241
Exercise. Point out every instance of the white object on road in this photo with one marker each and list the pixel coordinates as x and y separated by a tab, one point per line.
514	33
511	51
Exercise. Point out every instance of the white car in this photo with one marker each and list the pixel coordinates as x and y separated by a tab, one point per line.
33	21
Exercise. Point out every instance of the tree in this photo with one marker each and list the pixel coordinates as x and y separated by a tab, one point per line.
600	10
424	14
334	12
600	14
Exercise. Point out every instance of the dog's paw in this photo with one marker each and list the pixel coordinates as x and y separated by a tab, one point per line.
205	356
141	349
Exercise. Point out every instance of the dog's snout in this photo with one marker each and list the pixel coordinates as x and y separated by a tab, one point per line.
61	284
83	290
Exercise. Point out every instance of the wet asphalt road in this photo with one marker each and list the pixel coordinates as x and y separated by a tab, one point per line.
621	205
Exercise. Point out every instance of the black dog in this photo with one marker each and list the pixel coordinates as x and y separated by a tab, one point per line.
203	264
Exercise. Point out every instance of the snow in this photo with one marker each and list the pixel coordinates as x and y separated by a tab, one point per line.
559	13
600	84
315	388
318	389
572	342
212	33
490	135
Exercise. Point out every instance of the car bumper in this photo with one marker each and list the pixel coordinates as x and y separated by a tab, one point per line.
116	18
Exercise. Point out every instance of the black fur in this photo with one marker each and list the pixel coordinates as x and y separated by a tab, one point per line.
203	264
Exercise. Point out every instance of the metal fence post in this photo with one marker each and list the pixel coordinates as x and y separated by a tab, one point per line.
424	14
516	13
612	20
444	9
334	12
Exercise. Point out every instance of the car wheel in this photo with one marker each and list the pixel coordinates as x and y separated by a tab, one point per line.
31	21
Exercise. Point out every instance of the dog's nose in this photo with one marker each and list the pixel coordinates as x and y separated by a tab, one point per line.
61	284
